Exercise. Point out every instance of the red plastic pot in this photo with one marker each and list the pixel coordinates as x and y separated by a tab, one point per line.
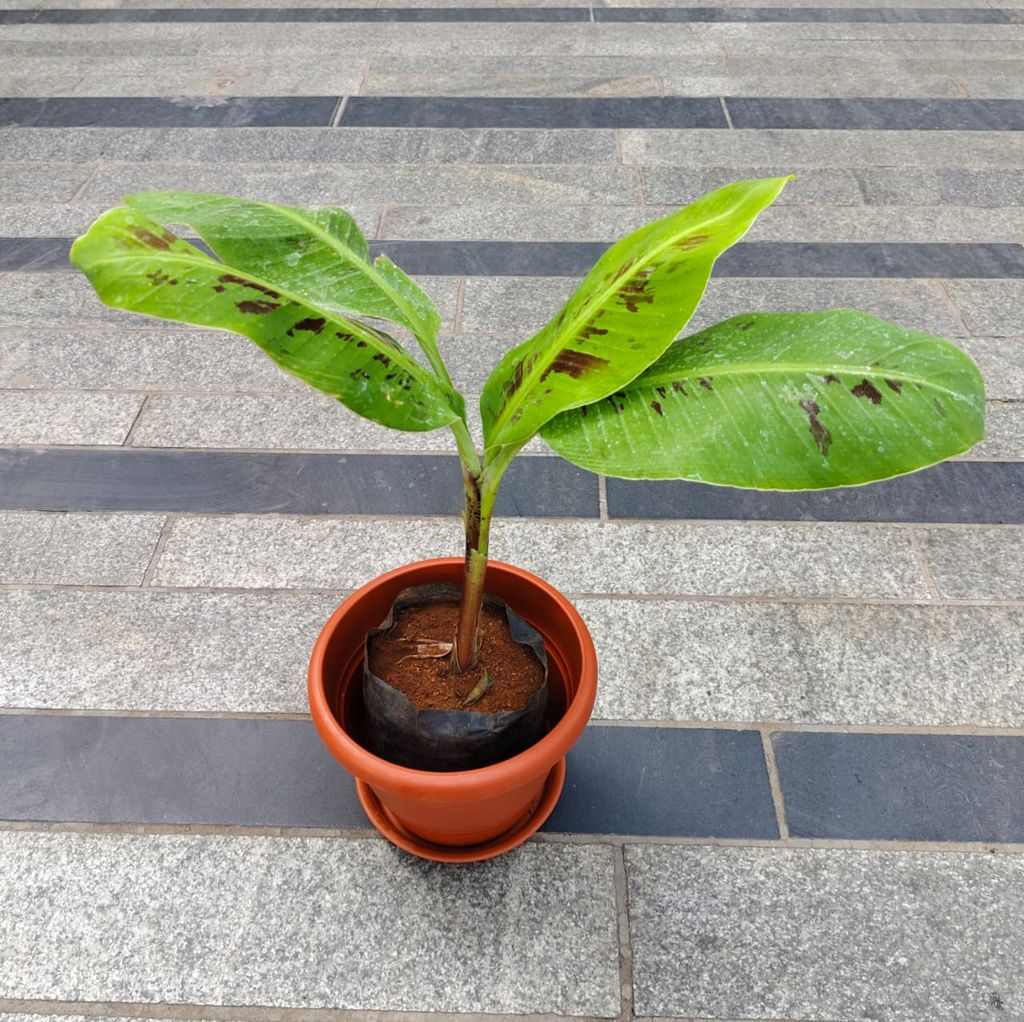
465	815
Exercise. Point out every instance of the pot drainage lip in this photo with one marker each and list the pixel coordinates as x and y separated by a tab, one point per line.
512	838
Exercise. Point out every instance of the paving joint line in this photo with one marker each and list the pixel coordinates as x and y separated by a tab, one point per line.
764	728
158	549
726	113
925	566
130	435
775	783
621	884
338	111
541	837
96	168
954	309
602	499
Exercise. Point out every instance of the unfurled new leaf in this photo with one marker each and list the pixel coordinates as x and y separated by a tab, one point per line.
136	264
624	314
784	401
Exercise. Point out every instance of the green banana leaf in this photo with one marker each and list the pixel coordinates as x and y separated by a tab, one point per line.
136	264
624	314
784	401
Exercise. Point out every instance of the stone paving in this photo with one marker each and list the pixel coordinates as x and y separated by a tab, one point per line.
802	794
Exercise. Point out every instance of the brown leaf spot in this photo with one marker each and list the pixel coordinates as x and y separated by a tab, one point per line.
219	288
589	331
867	389
831	378
574	363
894	385
748	325
314	324
680	388
257	308
693	241
583	411
159	277
382	358
151	240
705	383
822	437
661	391
618	405
230	278
634	292
657	407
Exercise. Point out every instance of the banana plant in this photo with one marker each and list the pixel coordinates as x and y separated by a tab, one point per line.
775	401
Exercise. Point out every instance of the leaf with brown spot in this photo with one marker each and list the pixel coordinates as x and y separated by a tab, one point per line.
777	421
290	329
642	292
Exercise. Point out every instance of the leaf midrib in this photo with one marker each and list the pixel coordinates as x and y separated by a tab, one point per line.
768	369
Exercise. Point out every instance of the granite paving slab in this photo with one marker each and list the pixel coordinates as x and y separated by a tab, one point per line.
751	933
66	417
264	921
62	549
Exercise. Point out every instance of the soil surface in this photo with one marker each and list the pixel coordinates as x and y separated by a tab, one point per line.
431	684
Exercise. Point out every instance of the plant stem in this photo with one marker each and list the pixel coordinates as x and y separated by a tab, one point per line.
481	493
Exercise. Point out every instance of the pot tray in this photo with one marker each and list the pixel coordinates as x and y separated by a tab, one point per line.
529	825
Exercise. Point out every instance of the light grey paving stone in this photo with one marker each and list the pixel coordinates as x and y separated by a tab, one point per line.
214	652
885	64
1001	360
863	48
66	417
925	224
491	303
237	75
796	34
471	358
37	219
819	149
780	222
517	223
76	549
356	183
270	921
371	146
856	188
992	308
542	66
816	85
300	421
1005	86
451	83
123	358
326	40
825	934
976	564
883	665
58	300
1004	431
632	558
30	182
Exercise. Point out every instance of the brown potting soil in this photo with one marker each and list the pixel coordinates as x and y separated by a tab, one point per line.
431	684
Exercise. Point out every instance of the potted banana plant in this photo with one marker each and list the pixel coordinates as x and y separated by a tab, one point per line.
452	688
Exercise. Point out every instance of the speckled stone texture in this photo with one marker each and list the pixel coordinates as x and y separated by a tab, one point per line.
882	665
76	549
158	651
610	557
973	564
730	933
304	922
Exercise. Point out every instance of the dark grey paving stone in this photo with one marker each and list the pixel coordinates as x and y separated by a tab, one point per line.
572	258
66	16
677	782
878	114
901	787
532	112
182	112
206	481
943	15
984	492
277	773
171	770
